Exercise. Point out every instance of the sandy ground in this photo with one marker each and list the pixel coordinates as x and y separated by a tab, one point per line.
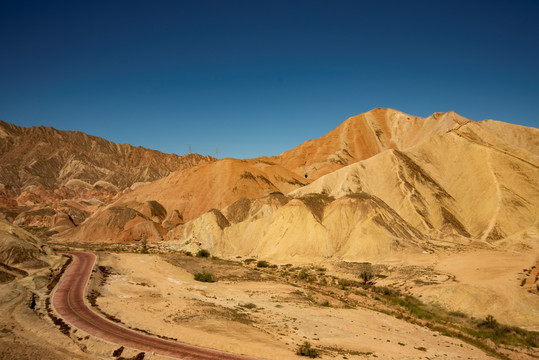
487	282
245	312
252	312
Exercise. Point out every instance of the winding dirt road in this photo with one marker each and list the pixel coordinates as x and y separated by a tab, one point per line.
68	301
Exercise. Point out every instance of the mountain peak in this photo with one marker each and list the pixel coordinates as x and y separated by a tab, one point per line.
363	136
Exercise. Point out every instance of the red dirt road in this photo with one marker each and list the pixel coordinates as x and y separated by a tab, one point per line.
68	300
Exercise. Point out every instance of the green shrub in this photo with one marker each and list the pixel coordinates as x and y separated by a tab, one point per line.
458	314
306	275
262	264
144	247
366	276
204	277
490	322
384	290
203	253
303	274
345	283
305	349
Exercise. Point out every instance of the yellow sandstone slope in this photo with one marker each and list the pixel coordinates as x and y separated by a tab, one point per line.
363	136
459	187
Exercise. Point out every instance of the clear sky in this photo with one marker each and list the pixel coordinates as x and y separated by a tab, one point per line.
260	77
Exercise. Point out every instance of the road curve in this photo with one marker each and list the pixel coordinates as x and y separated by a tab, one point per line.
68	301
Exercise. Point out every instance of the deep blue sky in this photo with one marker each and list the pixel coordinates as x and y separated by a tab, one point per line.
260	77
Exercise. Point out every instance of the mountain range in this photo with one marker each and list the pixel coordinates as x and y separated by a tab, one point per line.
381	182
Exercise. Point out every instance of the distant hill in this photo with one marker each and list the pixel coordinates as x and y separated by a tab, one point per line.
54	179
49	157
